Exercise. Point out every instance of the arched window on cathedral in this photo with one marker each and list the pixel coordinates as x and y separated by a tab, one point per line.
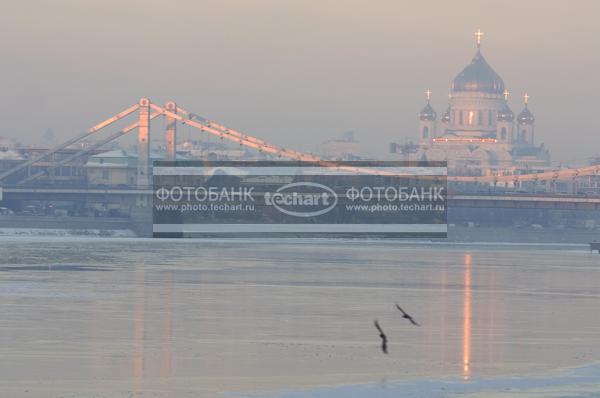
460	117
425	132
490	118
523	135
503	133
480	118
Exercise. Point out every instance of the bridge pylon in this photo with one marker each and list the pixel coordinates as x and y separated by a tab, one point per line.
143	144
171	131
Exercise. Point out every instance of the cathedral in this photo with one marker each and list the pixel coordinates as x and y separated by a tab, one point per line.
478	133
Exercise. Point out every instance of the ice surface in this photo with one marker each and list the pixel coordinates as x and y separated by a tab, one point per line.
82	317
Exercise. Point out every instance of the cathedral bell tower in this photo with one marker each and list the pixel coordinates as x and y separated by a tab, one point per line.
427	118
525	124
505	122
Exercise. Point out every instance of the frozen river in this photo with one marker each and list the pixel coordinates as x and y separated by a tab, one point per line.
166	318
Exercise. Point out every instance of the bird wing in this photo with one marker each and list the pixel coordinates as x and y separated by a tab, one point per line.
383	337
400	308
413	322
377	326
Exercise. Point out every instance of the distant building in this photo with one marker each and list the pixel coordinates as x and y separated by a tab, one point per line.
590	184
196	149
478	134
345	147
114	168
71	171
7	151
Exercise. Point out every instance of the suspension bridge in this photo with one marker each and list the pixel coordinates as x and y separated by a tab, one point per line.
18	186
174	114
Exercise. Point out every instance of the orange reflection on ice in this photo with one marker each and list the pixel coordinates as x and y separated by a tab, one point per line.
138	331
166	355
467	319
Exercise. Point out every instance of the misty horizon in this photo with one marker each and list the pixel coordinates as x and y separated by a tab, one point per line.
296	75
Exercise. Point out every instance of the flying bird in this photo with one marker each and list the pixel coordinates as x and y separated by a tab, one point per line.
383	337
406	316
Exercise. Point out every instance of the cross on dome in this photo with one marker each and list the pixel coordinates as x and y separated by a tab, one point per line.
478	35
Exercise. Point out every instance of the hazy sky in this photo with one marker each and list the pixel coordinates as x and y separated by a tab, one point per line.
296	72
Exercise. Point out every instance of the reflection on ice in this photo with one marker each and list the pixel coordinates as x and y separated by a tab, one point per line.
138	330
467	318
166	332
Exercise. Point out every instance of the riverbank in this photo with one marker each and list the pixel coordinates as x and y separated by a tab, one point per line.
118	227
522	235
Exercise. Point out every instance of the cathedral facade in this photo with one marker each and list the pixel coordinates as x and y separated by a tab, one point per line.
478	134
